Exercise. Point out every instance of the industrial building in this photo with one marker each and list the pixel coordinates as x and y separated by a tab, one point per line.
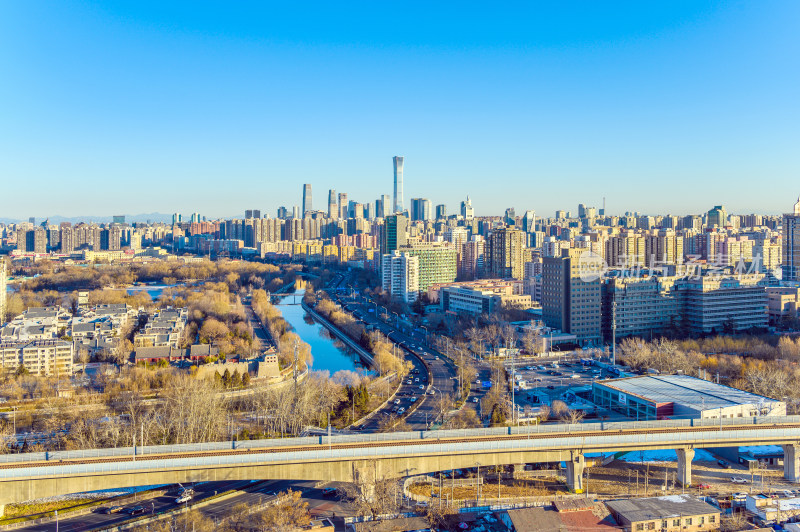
680	397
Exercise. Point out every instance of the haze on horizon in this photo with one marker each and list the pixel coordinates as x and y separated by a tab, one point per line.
132	108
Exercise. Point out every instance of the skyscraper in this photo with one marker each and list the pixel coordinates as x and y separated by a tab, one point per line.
791	244
420	209
441	211
466	209
343	205
333	208
394	233
307	199
398	183
400	275
382	206
717	216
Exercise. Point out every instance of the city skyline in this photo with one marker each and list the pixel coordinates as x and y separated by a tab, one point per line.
166	109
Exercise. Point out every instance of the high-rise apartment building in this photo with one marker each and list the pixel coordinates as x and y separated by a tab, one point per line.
398	184
504	254
570	298
333	208
394	233
307	205
791	244
437	263
176	219
400	275
472	259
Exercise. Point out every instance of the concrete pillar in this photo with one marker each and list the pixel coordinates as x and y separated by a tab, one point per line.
791	465
2	510
685	457
575	467
518	471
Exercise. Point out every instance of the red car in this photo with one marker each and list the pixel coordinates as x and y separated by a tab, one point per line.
703	486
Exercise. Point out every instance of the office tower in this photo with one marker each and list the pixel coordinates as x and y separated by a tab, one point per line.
510	216
505	258
561	215
256	214
420	209
379	210
3	294
791	244
400	276
343	205
398	184
118	219
571	303
283	213
195	217
385	206
248	214
32	220
394	233
529	221
369	211
176	219
581	210
307	199
717	217
441	211
466	209
333	208
296	211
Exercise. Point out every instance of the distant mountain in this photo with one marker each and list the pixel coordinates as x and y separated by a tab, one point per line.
129	218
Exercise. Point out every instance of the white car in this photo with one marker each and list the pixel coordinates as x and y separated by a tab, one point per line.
413	399
421	387
738	480
474	399
186	497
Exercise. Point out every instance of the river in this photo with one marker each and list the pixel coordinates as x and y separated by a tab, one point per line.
329	354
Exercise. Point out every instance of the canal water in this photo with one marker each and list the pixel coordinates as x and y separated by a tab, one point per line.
329	353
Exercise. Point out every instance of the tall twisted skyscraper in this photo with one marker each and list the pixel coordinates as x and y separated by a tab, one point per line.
307	199
398	184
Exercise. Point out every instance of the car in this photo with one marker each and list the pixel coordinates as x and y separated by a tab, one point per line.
551	387
474	399
739	480
401	410
421	387
574	376
134	510
413	399
703	486
787	493
416	379
397	401
186	497
724	464
431	391
112	510
328	492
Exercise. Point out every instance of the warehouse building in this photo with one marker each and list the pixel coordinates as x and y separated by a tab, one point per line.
680	397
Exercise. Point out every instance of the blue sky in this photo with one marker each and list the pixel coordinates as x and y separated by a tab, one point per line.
109	107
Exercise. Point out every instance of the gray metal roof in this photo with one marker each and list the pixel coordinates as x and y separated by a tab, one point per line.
653	508
685	390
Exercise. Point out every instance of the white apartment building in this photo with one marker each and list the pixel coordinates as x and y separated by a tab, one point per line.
400	275
39	357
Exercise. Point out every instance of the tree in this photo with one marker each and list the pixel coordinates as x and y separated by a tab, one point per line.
245	379
288	515
370	493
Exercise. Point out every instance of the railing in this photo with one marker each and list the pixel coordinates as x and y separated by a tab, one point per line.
310	441
319	453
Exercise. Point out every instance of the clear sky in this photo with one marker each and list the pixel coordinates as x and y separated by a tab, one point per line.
128	107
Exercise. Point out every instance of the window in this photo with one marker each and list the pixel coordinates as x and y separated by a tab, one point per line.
712	518
702	520
651	525
689	521
639	526
676	522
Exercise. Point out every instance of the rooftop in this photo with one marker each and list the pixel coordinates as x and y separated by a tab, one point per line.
652	508
685	390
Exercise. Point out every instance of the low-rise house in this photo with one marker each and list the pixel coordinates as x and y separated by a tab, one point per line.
569	515
671	513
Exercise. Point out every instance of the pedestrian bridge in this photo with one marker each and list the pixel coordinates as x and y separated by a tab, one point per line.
341	458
